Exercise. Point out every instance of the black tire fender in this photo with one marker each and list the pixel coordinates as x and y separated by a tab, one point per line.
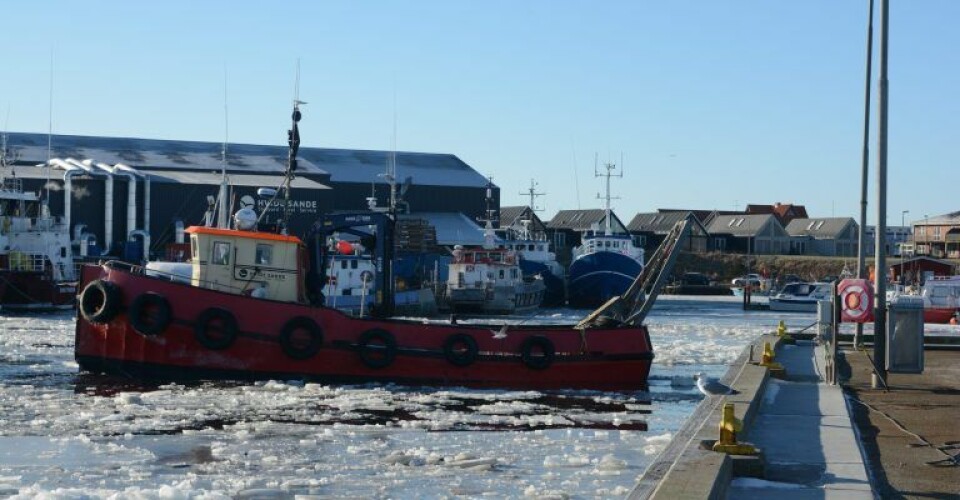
228	328
460	349
289	343
537	362
100	301
377	348
145	323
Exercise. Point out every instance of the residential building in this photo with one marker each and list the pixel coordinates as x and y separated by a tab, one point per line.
784	212
938	236
749	234
828	236
898	240
650	229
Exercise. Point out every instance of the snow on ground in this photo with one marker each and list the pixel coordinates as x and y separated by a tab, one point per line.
70	435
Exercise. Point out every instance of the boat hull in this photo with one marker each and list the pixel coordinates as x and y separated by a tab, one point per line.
34	291
788	305
595	278
554	295
939	315
602	359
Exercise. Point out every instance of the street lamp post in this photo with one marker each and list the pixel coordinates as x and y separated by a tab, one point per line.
903	238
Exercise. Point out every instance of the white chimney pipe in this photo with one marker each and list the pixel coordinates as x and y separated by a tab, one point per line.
107	207
68	175
121	169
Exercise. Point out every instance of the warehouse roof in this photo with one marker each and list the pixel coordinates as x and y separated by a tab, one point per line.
826	227
342	165
585	220
740	225
453	228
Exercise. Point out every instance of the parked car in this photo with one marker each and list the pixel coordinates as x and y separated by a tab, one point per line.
751	279
695	279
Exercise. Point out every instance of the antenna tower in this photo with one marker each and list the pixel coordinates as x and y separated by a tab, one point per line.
609	169
533	194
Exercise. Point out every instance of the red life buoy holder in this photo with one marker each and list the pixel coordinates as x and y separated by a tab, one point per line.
856	301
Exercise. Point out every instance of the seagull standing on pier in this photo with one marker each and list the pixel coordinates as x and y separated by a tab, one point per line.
711	386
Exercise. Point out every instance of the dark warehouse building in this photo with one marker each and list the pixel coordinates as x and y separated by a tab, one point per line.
180	177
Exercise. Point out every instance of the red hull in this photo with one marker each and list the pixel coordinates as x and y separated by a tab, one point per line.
602	359
938	315
34	290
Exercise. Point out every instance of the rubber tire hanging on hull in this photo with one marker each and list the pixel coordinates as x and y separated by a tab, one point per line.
149	324
228	328
293	349
457	357
377	356
541	362
100	301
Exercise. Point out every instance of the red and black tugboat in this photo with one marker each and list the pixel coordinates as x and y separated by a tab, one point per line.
253	310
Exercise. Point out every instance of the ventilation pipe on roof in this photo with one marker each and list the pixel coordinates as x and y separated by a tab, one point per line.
70	172
107	207
146	242
121	169
146	204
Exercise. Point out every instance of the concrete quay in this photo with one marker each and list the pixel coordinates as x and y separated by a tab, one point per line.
807	442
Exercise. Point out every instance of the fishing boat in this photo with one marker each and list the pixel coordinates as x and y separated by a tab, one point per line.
254	310
605	264
489	280
36	255
350	286
800	297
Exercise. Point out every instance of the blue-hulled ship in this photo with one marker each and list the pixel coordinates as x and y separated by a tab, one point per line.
605	264
521	231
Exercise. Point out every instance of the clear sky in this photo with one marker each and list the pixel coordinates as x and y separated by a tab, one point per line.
713	104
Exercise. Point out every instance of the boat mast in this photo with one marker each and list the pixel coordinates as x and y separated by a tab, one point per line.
293	140
610	168
222	218
533	194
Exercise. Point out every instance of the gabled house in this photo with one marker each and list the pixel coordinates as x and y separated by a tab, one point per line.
567	227
749	234
650	229
520	218
828	236
784	212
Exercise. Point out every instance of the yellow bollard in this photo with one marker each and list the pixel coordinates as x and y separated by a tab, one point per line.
782	333
776	369
768	355
730	425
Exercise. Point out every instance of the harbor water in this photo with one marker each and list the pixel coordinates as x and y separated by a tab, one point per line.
70	435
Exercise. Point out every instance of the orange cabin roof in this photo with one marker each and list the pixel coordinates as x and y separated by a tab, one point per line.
254	235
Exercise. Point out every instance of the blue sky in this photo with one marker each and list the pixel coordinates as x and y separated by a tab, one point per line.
713	104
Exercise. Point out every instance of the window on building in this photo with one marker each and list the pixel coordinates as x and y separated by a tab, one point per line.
936	233
819	225
221	253
811	224
264	254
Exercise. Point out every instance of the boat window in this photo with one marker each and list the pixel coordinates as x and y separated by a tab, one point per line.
193	248
264	254
606	244
513	273
343	264
221	253
496	257
353	264
502	274
530	248
63	252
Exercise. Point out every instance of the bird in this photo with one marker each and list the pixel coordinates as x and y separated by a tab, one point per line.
712	387
501	334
